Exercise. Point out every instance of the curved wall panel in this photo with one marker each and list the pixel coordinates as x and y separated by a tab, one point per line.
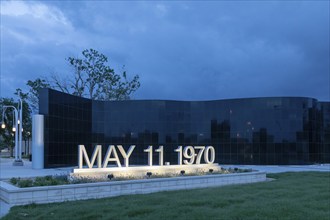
281	130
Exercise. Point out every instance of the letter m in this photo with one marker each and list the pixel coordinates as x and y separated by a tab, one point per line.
82	154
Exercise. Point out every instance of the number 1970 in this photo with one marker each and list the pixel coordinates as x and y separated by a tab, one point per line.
193	154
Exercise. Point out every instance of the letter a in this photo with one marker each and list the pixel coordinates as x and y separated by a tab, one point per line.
107	157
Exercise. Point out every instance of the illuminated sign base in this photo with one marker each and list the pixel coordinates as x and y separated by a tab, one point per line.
141	171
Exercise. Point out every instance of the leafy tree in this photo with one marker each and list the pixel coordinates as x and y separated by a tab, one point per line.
121	89
92	73
33	94
99	80
7	134
92	78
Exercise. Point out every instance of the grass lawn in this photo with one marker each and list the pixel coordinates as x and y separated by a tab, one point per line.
303	195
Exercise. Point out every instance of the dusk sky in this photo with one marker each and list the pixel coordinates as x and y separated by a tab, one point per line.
182	50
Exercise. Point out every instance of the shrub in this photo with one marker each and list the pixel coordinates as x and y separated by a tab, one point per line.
14	180
67	179
40	181
48	178
25	183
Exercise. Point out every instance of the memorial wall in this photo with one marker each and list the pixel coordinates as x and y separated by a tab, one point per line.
272	131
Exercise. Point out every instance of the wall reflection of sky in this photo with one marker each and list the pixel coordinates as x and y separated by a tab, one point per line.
243	131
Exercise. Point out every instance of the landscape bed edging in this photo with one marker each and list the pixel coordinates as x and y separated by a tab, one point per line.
71	192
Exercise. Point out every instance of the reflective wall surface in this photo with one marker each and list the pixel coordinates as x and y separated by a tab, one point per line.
242	131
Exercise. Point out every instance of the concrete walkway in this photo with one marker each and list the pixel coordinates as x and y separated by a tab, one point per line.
7	171
283	168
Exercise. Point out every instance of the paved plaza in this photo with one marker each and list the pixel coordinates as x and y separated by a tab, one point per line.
284	168
7	170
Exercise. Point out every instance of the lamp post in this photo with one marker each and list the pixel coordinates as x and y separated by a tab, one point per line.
18	130
20	127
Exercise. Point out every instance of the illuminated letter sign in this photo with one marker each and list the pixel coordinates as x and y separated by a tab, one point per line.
189	155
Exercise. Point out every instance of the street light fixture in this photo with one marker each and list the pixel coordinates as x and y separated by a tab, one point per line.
17	128
3	125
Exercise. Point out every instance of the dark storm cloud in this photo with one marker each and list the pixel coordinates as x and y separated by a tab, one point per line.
181	50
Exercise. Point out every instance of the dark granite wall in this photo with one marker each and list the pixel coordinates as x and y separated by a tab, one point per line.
281	130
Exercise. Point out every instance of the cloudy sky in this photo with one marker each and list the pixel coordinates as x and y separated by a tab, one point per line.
182	50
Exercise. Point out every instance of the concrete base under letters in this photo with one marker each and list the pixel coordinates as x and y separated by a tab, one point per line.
141	171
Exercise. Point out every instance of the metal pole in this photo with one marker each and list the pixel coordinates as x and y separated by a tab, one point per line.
16	135
20	129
